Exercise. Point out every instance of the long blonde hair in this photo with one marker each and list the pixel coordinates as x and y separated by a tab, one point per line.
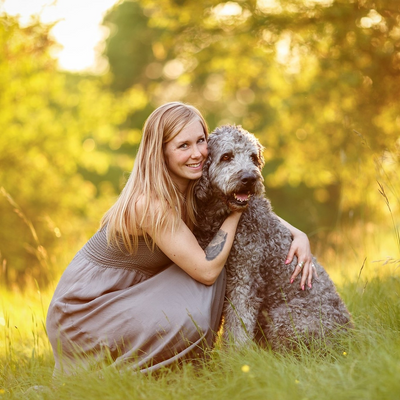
150	179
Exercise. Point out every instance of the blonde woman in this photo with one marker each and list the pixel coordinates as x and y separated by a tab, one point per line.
142	290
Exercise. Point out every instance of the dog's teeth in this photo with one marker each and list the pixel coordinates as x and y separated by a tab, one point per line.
242	200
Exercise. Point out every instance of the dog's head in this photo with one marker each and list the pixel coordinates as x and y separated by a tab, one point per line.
232	171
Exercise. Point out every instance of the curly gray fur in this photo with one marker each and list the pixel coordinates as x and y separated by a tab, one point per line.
261	302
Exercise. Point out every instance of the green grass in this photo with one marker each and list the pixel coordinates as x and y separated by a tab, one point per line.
365	365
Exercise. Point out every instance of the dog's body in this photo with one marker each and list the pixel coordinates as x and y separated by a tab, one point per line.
260	299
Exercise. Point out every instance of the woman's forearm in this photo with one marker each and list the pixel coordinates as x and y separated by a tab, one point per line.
294	231
221	244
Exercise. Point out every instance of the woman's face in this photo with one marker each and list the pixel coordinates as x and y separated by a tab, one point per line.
185	154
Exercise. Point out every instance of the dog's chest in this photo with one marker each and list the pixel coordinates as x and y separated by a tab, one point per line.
247	253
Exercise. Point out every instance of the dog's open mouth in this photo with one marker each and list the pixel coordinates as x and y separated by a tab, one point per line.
240	199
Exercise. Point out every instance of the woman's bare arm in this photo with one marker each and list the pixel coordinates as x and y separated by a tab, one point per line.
181	247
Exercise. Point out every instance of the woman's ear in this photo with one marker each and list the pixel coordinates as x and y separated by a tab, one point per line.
202	190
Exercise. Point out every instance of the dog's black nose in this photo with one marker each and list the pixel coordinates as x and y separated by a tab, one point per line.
248	178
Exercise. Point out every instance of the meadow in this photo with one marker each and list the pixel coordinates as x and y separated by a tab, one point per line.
317	82
364	365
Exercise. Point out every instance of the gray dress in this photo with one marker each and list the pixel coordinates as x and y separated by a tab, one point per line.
141	309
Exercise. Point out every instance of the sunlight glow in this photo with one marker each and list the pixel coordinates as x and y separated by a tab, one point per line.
373	18
275	6
228	9
78	28
230	13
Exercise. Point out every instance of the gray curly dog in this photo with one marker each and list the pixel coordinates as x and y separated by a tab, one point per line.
260	301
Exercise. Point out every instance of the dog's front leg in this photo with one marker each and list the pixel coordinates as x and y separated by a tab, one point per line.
241	309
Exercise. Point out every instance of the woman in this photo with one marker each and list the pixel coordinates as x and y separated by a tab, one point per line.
142	290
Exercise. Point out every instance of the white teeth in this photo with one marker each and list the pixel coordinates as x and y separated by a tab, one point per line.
194	165
244	200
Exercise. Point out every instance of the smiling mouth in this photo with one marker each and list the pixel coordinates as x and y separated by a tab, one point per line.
194	165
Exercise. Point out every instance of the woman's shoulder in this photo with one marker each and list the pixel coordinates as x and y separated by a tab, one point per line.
147	211
141	209
142	203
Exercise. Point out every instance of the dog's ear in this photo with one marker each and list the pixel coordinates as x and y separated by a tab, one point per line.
203	190
261	160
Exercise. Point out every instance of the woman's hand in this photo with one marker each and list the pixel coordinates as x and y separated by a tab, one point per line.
301	249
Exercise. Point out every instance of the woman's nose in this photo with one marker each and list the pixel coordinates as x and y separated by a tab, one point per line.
196	152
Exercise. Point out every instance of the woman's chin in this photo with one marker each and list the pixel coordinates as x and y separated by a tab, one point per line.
195	173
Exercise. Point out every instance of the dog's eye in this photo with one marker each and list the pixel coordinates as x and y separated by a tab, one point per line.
255	160
226	157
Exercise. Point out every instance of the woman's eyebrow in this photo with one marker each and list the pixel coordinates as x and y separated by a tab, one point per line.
181	142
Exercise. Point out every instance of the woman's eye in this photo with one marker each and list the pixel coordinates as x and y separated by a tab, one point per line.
202	140
183	146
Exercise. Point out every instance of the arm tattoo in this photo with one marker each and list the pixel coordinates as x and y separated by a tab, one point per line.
216	245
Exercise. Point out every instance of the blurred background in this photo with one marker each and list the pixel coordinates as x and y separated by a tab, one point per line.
317	81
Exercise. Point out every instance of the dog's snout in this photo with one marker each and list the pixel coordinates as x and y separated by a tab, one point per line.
248	178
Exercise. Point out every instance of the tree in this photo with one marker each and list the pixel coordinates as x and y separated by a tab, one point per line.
57	131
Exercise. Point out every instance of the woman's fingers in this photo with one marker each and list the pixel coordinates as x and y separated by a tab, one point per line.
310	275
297	270
315	271
290	255
306	275
307	269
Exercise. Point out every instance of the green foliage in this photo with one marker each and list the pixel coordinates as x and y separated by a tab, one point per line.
55	132
136	52
128	47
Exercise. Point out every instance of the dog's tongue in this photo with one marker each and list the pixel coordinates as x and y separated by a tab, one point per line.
242	196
